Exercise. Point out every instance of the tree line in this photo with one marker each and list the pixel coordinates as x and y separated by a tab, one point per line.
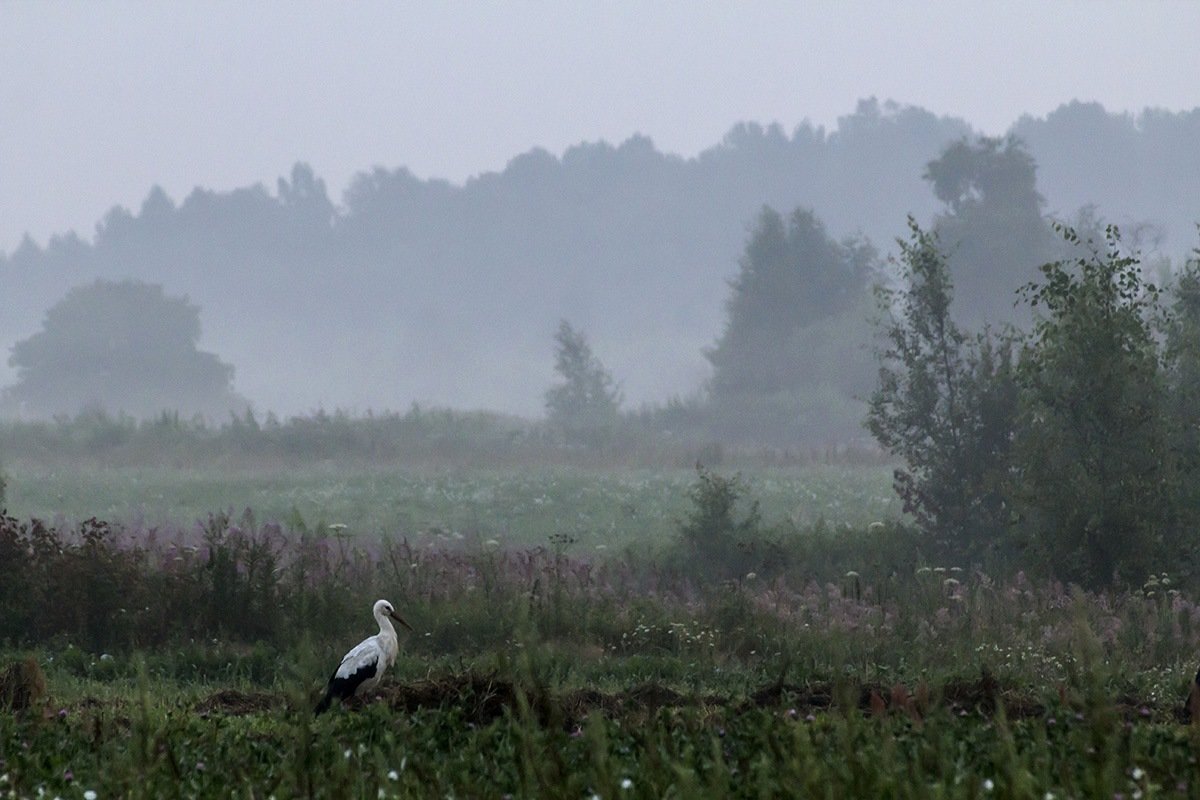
1072	443
427	277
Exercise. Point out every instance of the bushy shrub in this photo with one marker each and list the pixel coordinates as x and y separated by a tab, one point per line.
945	403
722	534
1091	440
1060	455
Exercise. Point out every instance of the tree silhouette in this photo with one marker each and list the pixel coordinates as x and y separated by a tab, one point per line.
585	405
123	346
792	275
993	229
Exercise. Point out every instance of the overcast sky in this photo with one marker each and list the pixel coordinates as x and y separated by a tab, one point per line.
99	101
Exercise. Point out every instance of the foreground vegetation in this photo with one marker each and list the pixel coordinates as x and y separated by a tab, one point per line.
477	737
746	655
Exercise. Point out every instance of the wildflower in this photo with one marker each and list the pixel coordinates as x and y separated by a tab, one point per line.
89	795
1137	773
988	784
200	765
347	753
851	574
68	776
751	576
626	783
393	775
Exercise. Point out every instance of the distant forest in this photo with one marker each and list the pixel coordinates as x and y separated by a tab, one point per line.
421	290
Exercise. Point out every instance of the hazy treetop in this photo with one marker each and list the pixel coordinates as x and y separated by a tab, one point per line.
101	103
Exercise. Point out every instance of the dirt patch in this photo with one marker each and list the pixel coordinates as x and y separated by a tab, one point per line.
481	698
817	697
22	685
232	703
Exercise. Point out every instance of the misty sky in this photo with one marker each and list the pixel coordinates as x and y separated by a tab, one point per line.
102	100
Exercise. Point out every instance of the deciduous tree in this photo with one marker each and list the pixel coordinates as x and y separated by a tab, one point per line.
585	406
125	347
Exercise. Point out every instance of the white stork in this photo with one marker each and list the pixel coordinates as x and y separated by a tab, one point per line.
363	667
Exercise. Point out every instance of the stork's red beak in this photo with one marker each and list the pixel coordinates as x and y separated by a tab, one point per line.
396	617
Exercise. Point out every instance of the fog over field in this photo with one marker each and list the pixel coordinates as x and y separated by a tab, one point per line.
285	173
723	399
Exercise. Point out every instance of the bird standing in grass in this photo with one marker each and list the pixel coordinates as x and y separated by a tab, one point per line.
363	667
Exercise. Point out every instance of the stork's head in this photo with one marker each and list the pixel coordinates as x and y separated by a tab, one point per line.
385	609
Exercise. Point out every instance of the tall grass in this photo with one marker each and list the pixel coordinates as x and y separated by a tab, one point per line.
106	588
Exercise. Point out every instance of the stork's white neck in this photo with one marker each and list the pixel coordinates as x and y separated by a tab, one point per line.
385	625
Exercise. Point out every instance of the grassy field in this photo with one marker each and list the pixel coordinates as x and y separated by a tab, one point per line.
520	507
483	735
555	661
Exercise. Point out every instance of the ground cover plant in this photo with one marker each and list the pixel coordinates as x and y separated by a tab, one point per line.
183	660
598	507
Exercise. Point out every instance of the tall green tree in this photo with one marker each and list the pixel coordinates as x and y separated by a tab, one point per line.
1092	439
125	347
944	402
791	276
992	227
1182	356
585	405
